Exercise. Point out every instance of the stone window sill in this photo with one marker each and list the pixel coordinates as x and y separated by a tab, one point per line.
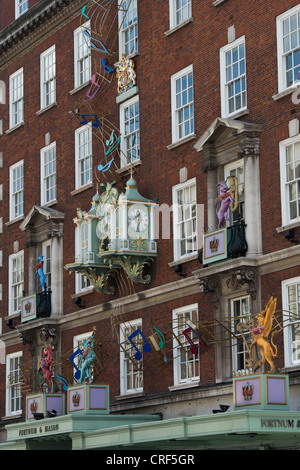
82	188
12	417
181	141
50	203
218	2
131	56
283	228
82	293
12	316
14	221
15	127
43	110
183	260
128	167
238	114
80	87
179	26
174	388
286	92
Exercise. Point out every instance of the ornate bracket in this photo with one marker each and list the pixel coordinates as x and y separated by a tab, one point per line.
134	266
29	337
244	276
249	144
52	333
213	287
99	279
98	276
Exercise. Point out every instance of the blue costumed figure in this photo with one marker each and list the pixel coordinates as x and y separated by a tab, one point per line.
39	271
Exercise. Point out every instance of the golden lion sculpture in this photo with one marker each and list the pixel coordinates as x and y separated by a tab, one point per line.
261	334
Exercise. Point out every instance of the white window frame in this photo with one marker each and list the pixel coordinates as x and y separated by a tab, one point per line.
49	81
223	81
177	350
281	66
48	177
18	4
287	330
285	210
79	39
12	284
82	283
123	27
234	322
175	110
19	102
12	193
125	361
176	221
18	385
78	160
128	135
185	9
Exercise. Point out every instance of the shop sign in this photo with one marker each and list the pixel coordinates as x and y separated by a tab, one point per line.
34	431
280	423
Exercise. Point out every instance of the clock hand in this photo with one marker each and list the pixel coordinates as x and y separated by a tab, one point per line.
135	216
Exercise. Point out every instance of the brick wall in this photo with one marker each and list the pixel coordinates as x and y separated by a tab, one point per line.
160	56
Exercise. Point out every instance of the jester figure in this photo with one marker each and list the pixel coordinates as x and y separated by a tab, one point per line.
46	366
88	357
227	197
39	271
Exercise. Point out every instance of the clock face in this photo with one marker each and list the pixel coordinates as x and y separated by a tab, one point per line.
138	220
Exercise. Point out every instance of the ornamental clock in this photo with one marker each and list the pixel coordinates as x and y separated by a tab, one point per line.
136	222
135	244
121	234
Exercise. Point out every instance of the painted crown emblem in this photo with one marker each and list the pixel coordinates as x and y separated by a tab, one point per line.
33	406
76	399
247	391
213	245
28	306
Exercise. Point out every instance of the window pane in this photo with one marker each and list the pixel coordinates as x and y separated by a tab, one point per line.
16	99
48	74
130	27
14	384
184	106
17	207
291	50
240	312
84	151
132	368
132	134
16	282
186	359
186	228
292	157
235	78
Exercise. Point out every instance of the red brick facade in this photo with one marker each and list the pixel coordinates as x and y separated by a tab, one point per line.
160	56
